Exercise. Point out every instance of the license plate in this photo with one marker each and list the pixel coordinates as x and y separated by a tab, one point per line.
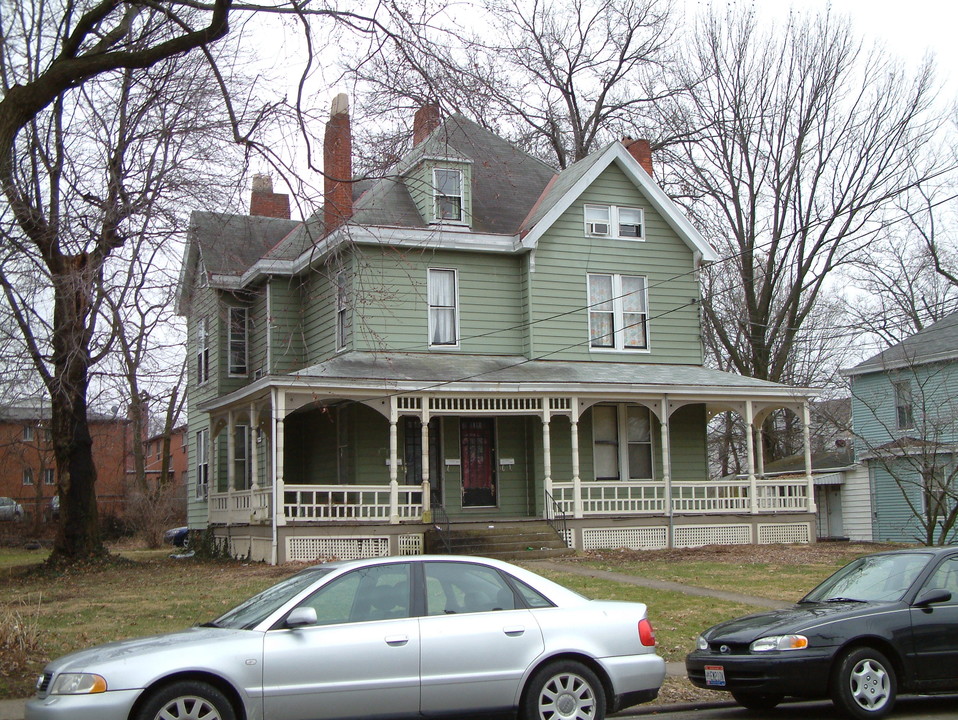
715	675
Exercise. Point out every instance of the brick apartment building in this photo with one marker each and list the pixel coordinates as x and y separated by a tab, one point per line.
28	471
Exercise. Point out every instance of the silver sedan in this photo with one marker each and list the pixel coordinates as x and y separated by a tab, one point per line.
390	637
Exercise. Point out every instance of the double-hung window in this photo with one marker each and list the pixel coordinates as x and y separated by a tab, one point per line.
622	442
202	351
28	433
448	193
612	221
904	413
342	311
443	308
618	312
242	473
239	345
202	463
49	476
28	476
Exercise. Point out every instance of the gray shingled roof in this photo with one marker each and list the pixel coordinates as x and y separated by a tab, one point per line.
563	183
428	368
937	342
230	244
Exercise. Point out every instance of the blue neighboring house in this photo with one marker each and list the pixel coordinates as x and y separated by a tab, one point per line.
905	419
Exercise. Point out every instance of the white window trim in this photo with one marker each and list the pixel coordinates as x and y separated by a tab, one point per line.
456	308
618	314
343	324
202	350
622	440
614	223
49	476
203	462
243	481
28	433
233	371
462	197
897	386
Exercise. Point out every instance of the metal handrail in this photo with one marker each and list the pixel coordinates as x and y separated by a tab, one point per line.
556	518
442	524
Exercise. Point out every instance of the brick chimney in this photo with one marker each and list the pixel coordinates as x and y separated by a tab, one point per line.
263	201
338	165
641	151
426	120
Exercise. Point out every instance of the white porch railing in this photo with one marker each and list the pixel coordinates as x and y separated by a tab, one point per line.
350	502
648	498
241	506
371	502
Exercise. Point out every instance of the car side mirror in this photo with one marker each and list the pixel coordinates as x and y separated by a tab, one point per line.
301	616
932	596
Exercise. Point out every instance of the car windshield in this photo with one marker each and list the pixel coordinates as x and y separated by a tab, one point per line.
874	578
253	611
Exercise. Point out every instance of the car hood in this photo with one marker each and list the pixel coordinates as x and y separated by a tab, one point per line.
131	663
795	619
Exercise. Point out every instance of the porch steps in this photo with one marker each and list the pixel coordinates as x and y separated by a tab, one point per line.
534	540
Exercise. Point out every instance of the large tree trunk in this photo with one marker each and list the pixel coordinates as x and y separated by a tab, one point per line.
78	534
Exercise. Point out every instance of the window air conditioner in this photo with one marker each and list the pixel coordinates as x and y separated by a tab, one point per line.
598	228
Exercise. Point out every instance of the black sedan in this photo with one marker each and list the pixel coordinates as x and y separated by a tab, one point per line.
883	624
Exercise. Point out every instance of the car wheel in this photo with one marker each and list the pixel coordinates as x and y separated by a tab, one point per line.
757	701
864	684
187	700
565	690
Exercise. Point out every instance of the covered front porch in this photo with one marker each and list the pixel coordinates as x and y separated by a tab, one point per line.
617	461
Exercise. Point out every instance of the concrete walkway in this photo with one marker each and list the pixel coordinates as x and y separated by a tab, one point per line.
14	709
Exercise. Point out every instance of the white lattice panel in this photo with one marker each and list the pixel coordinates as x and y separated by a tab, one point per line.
698	535
410	544
307	549
637	538
774	534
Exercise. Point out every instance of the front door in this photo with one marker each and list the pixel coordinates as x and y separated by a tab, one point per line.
478	454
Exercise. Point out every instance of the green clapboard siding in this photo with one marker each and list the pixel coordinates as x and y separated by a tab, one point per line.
287	352
559	292
392	309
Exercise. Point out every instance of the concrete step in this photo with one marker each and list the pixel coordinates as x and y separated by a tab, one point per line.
506	541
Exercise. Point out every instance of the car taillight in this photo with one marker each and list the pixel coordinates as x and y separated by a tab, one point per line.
646	633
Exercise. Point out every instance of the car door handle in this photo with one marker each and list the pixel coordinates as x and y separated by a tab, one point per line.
397	640
514	630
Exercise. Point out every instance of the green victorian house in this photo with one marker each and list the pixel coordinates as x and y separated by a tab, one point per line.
469	340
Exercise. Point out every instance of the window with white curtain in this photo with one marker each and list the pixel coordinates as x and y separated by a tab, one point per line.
618	312
443	308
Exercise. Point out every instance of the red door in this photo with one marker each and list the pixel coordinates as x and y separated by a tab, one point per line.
477	441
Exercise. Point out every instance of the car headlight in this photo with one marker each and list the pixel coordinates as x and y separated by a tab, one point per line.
78	684
779	642
701	643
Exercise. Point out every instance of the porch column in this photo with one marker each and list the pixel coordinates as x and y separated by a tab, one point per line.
807	446
750	455
665	428
393	462
278	514
576	480
426	489
230	463
546	463
253	454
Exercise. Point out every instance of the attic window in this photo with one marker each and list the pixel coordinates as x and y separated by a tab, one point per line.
614	222
448	193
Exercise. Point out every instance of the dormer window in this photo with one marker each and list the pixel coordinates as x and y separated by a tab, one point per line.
612	221
447	185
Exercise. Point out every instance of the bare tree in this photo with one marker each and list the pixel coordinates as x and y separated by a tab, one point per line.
797	144
559	78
